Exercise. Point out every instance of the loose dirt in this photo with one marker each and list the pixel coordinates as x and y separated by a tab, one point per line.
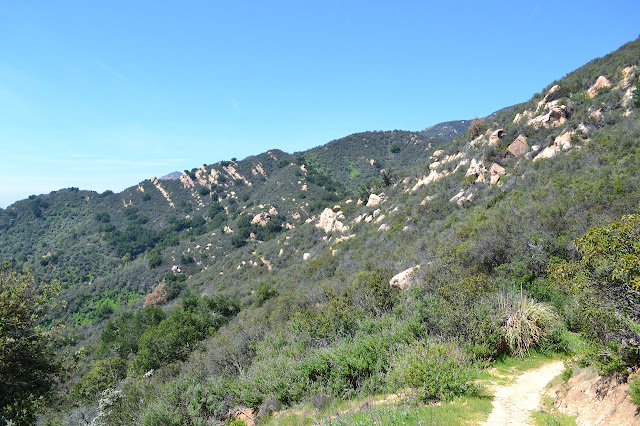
513	404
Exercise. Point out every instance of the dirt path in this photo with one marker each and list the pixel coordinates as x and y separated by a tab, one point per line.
512	404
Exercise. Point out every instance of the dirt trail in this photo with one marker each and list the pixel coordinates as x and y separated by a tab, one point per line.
512	405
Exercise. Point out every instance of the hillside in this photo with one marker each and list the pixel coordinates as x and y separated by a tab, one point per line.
344	270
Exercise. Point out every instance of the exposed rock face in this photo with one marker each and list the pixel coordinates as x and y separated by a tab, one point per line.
551	91
594	400
519	146
556	116
231	171
258	170
403	279
597	114
496	171
599	84
496	136
331	221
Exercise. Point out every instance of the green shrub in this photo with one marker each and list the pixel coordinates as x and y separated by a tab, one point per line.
634	390
104	374
436	370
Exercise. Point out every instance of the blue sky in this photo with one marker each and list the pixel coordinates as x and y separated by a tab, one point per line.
102	95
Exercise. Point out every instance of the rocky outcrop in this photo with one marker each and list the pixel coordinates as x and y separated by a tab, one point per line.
330	221
519	146
544	100
496	137
259	170
562	142
231	171
403	279
164	193
426	180
599	84
187	181
462	196
556	116
496	171
261	218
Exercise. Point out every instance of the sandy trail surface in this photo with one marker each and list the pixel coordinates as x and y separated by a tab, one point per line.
513	404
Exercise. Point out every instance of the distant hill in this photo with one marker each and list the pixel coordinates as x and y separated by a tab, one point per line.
448	130
171	176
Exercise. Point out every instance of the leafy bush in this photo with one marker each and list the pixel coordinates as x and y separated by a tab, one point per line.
437	371
104	374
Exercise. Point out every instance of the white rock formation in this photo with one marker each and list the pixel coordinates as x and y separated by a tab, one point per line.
331	221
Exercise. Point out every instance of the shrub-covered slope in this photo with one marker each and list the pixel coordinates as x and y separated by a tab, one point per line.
324	274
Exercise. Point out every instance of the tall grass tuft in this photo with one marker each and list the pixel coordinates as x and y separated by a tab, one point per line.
524	322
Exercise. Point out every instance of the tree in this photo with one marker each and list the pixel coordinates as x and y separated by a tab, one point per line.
605	283
28	366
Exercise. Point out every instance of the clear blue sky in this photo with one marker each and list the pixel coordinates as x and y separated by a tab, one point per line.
102	95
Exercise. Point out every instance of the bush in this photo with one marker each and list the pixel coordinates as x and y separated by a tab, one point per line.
436	370
104	374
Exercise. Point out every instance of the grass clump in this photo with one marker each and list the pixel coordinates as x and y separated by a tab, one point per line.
525	322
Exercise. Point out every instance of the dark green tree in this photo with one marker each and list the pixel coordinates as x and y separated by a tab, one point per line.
28	367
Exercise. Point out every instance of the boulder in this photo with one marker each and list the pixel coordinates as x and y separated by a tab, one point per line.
519	146
496	171
403	279
373	200
599	84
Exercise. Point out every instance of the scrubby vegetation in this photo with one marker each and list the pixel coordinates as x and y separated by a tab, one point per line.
187	300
